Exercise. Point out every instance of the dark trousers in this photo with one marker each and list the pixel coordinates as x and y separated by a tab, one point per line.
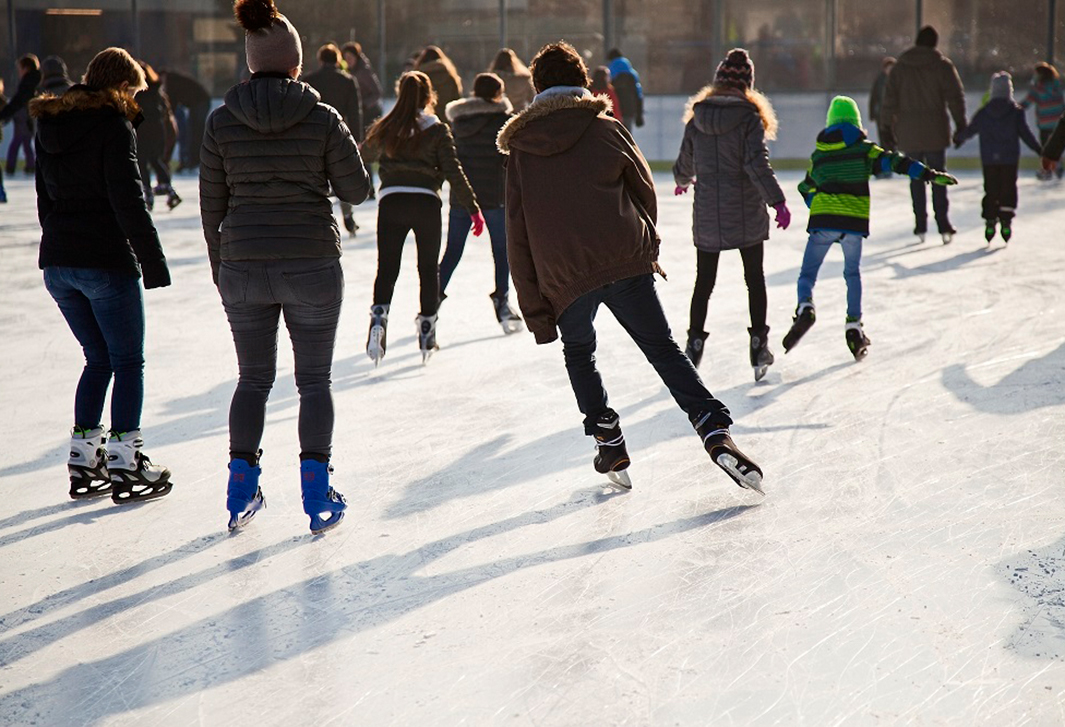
1000	192
940	206
105	312
149	160
458	230
636	307
398	214
21	139
255	294
706	277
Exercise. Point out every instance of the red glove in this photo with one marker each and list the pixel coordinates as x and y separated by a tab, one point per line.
1049	165
478	223
680	190
783	215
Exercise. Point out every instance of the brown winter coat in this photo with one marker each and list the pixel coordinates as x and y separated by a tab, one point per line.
518	87
447	85
581	208
921	88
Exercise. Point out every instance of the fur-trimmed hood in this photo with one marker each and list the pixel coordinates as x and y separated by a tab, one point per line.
473	106
699	108
64	121
551	125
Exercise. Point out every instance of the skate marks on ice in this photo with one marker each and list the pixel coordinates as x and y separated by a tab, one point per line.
1036	384
295	620
1039	576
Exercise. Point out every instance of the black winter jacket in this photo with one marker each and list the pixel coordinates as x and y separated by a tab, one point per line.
339	90
270	155
151	133
89	197
1002	125
476	124
27	89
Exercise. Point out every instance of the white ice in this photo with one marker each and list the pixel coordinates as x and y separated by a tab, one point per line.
907	565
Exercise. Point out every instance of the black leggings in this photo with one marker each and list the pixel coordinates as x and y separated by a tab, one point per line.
398	214
706	276
150	159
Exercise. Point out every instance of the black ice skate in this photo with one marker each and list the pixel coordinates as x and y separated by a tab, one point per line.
172	198
761	356
696	344
427	336
1007	233
612	458
376	339
133	476
349	224
88	464
804	319
508	319
989	231
857	341
726	455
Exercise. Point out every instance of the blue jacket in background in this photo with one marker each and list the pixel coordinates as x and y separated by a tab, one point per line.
1001	125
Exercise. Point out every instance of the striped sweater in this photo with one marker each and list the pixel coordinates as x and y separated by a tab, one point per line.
1049	103
836	187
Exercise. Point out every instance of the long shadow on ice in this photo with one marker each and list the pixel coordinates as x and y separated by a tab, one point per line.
1036	384
299	619
1039	576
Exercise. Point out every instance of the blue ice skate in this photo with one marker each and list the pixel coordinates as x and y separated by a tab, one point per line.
319	499
245	497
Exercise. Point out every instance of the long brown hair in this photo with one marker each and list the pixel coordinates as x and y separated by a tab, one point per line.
399	128
507	61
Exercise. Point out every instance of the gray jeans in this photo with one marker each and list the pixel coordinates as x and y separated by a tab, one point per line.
255	294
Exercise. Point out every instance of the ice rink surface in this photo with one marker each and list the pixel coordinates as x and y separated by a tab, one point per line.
907	565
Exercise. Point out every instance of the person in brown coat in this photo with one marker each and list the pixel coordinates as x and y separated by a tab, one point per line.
581	216
434	63
921	88
516	78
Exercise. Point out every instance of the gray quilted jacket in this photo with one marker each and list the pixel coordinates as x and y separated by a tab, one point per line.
271	154
724	150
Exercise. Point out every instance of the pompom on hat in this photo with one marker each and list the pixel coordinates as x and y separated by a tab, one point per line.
737	70
272	44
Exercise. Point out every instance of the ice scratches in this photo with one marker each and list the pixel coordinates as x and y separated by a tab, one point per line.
1039	575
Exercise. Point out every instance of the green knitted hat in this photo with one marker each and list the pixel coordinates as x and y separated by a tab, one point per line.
844	111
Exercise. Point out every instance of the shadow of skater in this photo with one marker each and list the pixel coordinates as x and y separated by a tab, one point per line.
1035	385
243	640
1039	575
942	266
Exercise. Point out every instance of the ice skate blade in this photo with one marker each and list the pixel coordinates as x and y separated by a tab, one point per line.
760	372
157	491
324	527
750	481
948	237
103	489
510	327
620	480
237	521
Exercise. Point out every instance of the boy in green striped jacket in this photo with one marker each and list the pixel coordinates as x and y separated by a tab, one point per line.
836	190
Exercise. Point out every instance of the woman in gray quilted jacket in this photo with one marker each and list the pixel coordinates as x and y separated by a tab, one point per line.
270	156
725	155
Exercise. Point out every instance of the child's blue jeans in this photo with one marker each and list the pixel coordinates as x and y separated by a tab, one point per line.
816	249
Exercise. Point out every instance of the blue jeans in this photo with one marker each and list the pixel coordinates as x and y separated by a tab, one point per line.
816	249
105	312
635	305
940	205
458	229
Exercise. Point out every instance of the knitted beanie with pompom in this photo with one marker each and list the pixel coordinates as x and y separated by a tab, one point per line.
272	44
737	70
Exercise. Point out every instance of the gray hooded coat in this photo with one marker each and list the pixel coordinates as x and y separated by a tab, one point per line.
724	150
270	156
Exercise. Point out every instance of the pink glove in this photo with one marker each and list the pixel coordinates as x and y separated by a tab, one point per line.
783	216
680	190
478	223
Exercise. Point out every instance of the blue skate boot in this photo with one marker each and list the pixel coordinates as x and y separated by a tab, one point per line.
244	496
319	499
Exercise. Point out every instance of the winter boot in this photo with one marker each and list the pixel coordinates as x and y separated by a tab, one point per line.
88	464
725	454
612	458
427	336
989	231
508	319
857	341
761	356
696	344
133	476
349	224
149	198
375	341
322	503
805	317
172	198
244	497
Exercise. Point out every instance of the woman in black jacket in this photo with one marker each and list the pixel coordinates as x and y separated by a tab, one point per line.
97	240
476	122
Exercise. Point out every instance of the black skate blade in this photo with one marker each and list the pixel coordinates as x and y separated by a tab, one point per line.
760	372
326	527
128	497
90	491
620	480
752	480
238	521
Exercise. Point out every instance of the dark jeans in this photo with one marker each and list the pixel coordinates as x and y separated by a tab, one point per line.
105	312
706	277
458	229
21	139
398	214
940	206
152	159
255	294
635	305
1000	192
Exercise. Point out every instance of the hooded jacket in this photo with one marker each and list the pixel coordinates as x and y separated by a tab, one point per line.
922	86
1002	126
518	88
628	88
27	89
89	198
476	124
447	85
1049	100
271	154
724	150
581	207
341	91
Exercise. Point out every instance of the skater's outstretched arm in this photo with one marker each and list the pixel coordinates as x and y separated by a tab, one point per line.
684	167
1055	144
1025	132
756	163
808	187
214	196
343	165
447	159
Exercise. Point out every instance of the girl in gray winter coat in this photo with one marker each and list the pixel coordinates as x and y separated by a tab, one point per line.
725	155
